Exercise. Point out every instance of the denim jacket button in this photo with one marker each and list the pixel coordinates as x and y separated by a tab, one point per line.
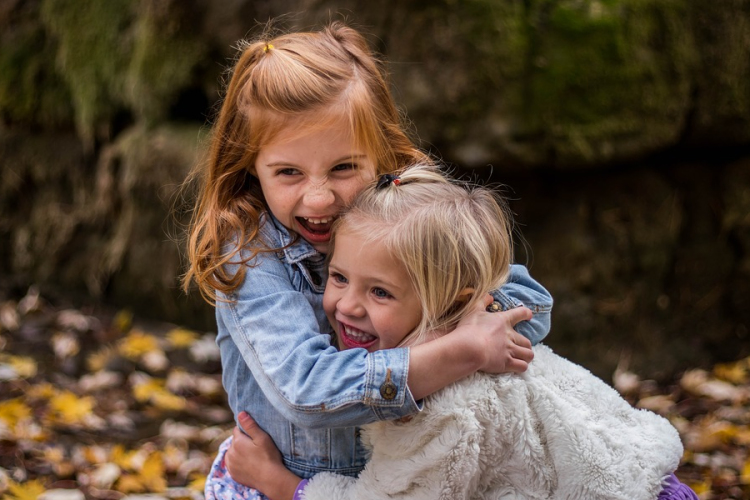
388	390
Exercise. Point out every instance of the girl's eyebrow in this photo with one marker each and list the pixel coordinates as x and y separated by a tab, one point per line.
284	163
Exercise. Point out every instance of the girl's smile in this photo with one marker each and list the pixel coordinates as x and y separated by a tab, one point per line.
309	176
369	299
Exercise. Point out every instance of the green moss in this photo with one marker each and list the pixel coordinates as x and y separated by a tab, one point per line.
580	75
122	55
92	55
164	57
31	91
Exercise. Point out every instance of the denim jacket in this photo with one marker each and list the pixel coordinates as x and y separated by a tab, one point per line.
279	365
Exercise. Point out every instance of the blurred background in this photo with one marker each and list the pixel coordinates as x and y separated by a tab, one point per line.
620	127
620	130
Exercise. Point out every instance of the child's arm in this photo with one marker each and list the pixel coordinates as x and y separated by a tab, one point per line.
254	460
436	458
272	328
522	290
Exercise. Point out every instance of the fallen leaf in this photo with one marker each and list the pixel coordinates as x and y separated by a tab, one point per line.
65	345
67	408
138	343
659	403
105	475
205	349
62	494
30	490
10	320
15	367
99	380
14	410
180	338
123	321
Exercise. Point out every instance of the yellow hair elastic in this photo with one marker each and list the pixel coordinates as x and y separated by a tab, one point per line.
267	47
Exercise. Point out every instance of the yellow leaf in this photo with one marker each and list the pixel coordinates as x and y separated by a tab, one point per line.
745	474
736	373
138	343
165	400
129	483
121	457
180	338
152	473
26	491
145	387
122	321
70	409
153	390
701	487
198	484
20	366
43	391
99	360
14	410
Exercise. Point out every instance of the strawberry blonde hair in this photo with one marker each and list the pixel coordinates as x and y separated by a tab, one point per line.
301	80
451	237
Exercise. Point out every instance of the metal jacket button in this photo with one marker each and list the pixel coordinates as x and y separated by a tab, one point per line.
388	390
494	307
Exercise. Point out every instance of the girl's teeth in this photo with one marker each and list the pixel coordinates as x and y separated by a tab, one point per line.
312	220
358	335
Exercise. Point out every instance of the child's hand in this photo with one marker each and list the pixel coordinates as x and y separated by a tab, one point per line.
503	349
254	461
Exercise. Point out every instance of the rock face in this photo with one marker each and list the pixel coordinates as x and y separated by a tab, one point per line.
622	125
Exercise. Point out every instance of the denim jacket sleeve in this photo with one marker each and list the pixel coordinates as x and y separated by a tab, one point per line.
275	329
522	290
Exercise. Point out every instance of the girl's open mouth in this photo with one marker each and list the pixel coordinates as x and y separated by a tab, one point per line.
315	230
352	337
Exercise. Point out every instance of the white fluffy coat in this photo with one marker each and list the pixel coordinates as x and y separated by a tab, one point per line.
555	432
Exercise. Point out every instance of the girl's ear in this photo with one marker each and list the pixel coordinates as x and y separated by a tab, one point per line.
464	295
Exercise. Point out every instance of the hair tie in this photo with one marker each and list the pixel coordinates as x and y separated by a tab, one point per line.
267	48
386	180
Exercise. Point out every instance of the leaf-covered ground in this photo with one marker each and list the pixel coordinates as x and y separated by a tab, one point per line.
103	406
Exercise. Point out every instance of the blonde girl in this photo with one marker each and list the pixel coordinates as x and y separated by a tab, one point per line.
433	249
307	121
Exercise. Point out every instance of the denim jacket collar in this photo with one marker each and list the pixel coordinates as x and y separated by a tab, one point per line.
294	251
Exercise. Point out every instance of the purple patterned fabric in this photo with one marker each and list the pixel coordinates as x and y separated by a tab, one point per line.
298	491
675	490
221	486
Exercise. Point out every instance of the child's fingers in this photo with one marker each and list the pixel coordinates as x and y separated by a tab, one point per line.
250	426
518	314
516	366
521	341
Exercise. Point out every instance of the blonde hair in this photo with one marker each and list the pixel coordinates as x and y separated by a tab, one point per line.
450	236
302	80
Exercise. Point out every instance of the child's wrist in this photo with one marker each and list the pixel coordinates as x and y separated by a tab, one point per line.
466	346
284	485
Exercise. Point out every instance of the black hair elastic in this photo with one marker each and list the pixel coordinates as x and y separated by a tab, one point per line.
386	180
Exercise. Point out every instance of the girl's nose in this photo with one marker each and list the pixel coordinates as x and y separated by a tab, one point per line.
350	305
320	197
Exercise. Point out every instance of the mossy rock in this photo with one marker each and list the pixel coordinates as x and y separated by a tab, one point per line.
31	91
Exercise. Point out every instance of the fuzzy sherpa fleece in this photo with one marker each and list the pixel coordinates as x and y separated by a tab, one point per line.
554	432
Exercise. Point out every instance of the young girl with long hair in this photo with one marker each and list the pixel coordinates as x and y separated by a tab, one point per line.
432	249
306	122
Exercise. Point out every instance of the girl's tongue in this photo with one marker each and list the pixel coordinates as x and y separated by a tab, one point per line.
315	230
351	337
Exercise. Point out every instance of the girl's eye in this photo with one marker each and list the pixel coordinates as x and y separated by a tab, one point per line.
287	171
380	293
345	166
338	278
